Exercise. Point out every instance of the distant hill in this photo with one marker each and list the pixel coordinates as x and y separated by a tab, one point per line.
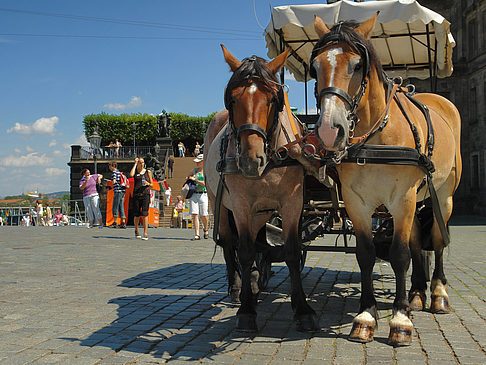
57	195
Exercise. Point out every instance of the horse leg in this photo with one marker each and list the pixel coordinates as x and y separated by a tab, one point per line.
246	315
416	296
438	286
228	240
304	315
365	322
400	324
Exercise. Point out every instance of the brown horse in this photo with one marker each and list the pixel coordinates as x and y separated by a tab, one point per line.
356	98
241	143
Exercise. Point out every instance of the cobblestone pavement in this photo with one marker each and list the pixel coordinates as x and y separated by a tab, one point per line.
70	295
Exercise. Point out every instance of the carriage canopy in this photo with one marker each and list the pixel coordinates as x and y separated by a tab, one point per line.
411	40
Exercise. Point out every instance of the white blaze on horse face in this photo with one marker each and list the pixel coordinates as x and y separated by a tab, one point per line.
331	57
252	89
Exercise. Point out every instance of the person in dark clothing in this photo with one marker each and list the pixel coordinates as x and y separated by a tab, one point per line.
118	195
142	182
170	167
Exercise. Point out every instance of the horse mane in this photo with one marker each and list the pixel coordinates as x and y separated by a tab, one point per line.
346	32
254	67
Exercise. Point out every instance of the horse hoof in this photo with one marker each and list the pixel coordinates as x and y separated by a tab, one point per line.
400	337
235	296
307	323
417	301
362	332
440	305
246	323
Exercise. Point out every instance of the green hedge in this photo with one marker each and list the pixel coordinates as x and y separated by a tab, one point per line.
120	126
184	128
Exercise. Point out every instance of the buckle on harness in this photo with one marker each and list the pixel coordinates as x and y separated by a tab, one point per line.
361	161
281	153
309	150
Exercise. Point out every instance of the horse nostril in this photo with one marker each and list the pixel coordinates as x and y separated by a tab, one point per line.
261	161
340	133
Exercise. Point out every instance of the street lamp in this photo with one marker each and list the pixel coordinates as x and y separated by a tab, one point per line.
134	127
95	142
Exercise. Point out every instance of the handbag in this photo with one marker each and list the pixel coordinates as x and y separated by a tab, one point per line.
188	189
100	188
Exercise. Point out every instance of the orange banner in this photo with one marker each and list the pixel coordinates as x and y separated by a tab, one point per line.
153	207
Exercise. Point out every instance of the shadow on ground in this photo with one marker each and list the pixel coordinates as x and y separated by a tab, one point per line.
192	317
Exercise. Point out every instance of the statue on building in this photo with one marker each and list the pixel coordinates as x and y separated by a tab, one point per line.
154	166
163	124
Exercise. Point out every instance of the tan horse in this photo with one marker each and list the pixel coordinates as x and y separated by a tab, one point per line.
245	136
352	95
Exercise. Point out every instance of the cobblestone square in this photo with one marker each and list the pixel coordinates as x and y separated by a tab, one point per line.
71	295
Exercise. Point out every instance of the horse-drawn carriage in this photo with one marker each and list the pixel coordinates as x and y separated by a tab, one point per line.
375	150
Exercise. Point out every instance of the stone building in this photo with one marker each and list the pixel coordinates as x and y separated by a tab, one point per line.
466	88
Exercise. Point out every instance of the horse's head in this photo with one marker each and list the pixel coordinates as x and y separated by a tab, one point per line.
340	63
253	97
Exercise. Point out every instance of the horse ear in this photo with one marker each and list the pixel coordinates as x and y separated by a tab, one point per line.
365	28
231	60
320	27
277	63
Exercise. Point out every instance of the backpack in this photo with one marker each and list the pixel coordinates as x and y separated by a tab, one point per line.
124	182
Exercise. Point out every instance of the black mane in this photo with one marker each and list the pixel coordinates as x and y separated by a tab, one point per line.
253	67
345	32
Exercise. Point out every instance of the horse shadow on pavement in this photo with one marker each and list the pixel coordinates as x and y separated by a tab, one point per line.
184	311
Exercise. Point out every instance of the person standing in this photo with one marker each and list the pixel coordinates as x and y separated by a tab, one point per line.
179	207
198	202
170	166
168	196
142	182
117	146
40	214
181	148
196	149
91	199
48	215
118	195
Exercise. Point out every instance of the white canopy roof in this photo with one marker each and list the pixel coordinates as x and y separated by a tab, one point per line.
400	35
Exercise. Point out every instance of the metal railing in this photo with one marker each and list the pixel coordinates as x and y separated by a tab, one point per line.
14	215
122	153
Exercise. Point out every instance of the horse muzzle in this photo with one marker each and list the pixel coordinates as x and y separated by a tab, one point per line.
332	129
252	167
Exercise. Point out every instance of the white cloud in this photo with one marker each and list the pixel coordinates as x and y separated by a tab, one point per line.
288	76
133	103
82	141
29	149
53	171
57	153
40	126
52	143
17	150
31	159
309	111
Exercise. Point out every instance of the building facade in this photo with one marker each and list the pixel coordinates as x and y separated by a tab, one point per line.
466	88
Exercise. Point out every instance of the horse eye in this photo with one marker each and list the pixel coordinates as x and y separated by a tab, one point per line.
358	66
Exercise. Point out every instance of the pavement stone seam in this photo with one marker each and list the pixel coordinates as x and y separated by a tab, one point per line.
447	342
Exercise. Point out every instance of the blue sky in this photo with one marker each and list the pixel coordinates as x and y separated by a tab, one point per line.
61	60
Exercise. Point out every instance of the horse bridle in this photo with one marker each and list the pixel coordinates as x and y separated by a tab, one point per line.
352	102
267	136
